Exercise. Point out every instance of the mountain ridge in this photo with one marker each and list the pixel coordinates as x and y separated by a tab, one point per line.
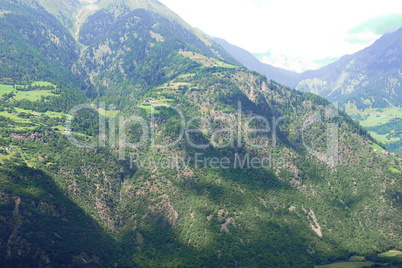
284	77
372	63
367	84
250	182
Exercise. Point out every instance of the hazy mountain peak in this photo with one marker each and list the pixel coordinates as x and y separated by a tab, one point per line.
284	60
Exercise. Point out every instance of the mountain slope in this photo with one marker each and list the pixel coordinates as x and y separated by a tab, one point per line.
370	78
284	77
35	46
256	174
41	226
366	84
137	41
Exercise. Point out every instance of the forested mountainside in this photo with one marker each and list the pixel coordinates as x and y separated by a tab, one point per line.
96	170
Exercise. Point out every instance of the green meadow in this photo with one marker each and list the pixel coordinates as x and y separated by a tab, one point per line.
392	255
378	117
6	89
33	95
381	123
43	84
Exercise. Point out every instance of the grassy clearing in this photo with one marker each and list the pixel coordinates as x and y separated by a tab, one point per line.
358	262
174	85
185	76
384	138
60	128
43	84
391	253
377	148
394	170
26	124
152	105
357	258
352	264
6	89
48	113
165	100
152	108
35	95
24	129
15	118
108	113
378	117
394	256
378	120
9	154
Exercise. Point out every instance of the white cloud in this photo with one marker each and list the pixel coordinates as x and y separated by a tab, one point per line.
311	29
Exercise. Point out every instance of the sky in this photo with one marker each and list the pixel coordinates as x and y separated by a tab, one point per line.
293	34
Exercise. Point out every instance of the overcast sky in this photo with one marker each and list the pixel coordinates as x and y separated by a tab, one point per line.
310	29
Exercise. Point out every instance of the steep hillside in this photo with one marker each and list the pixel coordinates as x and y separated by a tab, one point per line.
40	226
177	157
136	42
34	46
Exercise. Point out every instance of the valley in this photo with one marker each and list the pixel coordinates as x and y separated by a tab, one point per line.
120	155
383	124
366	85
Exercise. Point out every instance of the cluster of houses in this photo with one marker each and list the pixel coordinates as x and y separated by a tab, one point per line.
151	101
11	149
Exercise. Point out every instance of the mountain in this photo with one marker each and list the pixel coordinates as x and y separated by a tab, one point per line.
134	140
366	83
155	37
282	76
370	78
35	45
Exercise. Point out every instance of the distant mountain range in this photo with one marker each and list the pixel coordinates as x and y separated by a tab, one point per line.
287	61
367	84
370	78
